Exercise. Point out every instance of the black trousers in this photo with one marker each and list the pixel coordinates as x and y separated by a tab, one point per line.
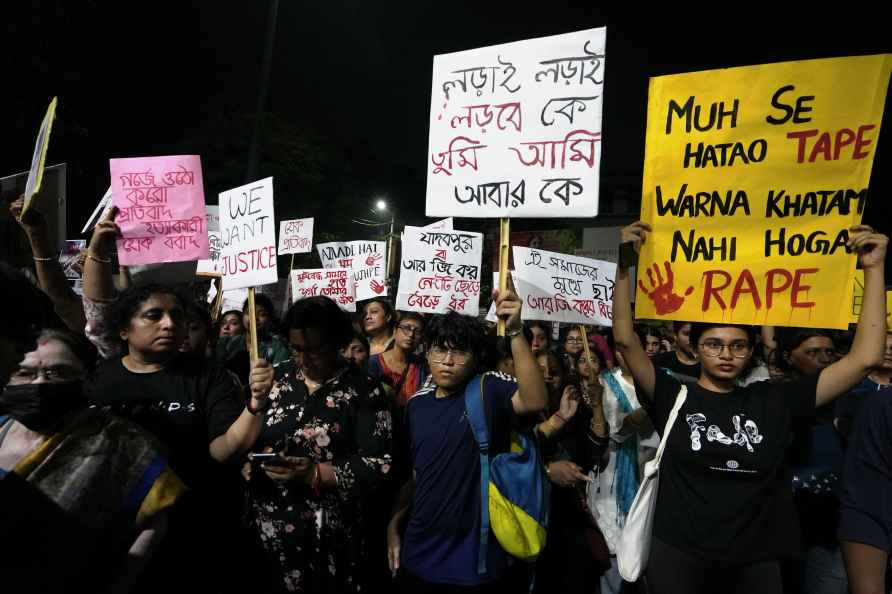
671	571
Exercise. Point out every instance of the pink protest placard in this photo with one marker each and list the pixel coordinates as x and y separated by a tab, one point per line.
161	209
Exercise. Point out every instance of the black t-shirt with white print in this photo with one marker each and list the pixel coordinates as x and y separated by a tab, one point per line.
725	476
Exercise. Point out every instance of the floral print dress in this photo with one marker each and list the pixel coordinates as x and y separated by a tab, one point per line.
316	541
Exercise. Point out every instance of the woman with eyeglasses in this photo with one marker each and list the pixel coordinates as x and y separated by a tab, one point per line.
725	512
85	494
329	429
400	367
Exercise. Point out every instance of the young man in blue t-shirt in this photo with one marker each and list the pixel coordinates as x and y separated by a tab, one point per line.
442	539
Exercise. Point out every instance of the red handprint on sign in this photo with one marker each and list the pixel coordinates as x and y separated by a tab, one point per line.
377	287
373	259
665	301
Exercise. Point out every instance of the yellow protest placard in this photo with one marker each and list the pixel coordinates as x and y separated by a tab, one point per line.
752	177
858	298
38	160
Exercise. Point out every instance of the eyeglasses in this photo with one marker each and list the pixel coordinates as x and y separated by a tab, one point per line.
438	355
50	374
410	330
573	340
714	348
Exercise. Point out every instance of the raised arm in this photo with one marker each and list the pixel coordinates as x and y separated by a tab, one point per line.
531	395
869	344
50	276
99	282
623	333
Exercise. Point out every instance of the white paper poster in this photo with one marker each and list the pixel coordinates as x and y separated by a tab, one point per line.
515	129
295	236
334	283
560	288
248	236
365	259
440	271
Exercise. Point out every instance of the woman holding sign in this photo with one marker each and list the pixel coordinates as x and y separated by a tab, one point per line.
725	509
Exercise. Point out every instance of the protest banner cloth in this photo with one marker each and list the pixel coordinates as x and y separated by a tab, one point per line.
335	283
161	211
560	288
38	159
440	271
752	178
248	243
515	129
365	260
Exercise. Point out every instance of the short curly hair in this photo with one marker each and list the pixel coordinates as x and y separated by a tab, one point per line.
131	300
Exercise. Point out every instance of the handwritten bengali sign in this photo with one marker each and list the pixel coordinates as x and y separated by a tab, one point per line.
515	129
334	283
38	159
366	261
161	212
296	236
440	271
560	288
248	236
752	177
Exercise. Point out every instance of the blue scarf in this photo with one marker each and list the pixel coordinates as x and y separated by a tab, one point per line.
625	476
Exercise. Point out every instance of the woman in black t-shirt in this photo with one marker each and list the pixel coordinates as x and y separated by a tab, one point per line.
199	413
724	513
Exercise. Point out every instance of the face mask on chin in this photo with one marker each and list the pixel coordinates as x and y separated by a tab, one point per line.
40	407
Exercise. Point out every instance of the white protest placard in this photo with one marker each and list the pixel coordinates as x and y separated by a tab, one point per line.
366	261
248	236
232	300
211	266
334	283
440	271
105	205
560	288
212	216
515	129
444	224
295	236
38	159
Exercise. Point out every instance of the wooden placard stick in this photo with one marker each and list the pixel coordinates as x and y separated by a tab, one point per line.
504	247
252	317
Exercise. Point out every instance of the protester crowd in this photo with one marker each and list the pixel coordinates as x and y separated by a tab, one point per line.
142	448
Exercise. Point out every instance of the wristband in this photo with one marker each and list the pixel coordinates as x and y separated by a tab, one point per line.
36	259
100	260
558	415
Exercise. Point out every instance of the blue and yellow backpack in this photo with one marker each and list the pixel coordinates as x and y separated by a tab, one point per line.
514	490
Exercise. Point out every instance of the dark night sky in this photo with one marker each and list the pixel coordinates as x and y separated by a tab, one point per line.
350	78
